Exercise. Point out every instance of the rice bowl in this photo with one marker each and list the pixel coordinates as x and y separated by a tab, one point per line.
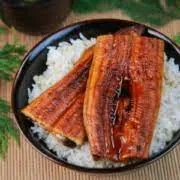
35	65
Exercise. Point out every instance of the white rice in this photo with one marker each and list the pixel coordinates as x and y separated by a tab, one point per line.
60	61
169	116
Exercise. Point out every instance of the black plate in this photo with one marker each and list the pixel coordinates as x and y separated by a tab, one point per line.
34	64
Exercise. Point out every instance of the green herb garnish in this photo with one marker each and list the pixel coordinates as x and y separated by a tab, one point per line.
149	11
7	128
10	56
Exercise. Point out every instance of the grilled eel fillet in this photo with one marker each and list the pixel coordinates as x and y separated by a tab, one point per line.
105	78
117	58
146	73
60	108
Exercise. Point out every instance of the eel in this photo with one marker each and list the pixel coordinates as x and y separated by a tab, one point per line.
120	127
146	74
109	67
54	105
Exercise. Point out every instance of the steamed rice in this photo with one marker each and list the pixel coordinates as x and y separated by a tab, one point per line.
60	61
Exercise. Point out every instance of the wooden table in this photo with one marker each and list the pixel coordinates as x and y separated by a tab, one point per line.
25	163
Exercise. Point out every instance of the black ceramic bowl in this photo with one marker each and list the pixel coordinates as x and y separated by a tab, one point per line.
34	64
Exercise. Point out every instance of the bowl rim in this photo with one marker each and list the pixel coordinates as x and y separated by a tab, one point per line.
66	164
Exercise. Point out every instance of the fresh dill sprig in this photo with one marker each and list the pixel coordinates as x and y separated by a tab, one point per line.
7	128
10	55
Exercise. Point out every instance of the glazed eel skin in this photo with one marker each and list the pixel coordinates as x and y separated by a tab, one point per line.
146	74
60	108
120	126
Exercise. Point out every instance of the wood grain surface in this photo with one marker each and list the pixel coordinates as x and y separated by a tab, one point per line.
25	163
